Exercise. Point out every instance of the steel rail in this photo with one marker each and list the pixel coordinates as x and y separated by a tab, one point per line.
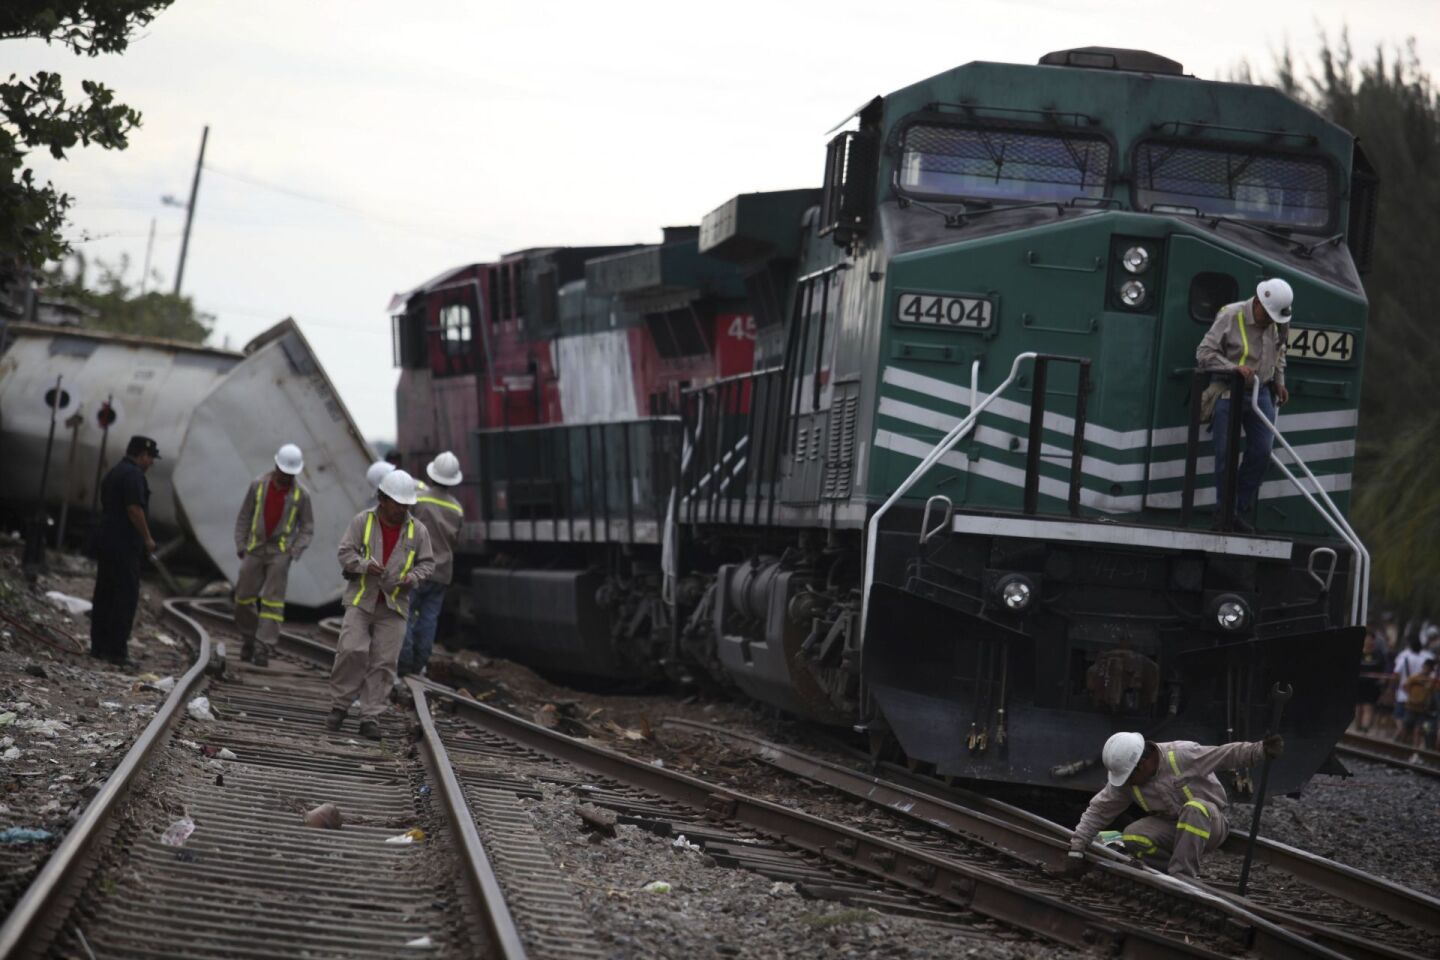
500	928
1404	904
1400	903
1390	753
1022	840
961	884
34	918
1026	831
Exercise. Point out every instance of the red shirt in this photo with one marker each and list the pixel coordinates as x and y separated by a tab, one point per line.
389	536
274	505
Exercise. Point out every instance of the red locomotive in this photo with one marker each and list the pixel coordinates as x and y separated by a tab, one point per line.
559	335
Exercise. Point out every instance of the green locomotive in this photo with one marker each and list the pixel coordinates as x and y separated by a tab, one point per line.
963	499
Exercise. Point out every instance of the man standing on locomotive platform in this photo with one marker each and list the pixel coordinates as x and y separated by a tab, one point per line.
383	555
443	517
1247	337
274	526
124	538
1175	785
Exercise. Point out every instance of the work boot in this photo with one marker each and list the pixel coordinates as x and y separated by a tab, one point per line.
370	730
337	717
247	650
262	659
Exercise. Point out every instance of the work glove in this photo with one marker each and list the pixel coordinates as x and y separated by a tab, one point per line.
1274	746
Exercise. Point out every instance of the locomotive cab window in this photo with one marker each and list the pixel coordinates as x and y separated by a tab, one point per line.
408	338
985	163
455	329
1283	189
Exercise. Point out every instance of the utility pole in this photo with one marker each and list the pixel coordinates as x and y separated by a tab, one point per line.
149	246
190	210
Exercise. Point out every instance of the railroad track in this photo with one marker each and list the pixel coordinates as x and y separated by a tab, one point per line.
1344	883
1426	762
1345	910
251	880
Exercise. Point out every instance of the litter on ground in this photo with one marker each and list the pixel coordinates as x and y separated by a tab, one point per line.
178	832
74	606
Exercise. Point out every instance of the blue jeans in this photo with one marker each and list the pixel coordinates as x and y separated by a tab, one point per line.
425	602
1257	440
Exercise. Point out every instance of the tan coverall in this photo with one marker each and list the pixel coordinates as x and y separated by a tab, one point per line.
1232	341
265	567
1185	802
375	612
443	516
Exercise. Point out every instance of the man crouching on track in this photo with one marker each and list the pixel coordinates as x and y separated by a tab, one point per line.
274	526
383	555
1175	785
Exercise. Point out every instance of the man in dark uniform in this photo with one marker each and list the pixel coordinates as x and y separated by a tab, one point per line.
124	540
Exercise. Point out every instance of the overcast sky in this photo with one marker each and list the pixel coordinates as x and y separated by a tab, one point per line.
358	147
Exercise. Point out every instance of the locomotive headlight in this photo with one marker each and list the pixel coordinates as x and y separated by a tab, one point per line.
1016	592
1231	613
1132	293
1136	260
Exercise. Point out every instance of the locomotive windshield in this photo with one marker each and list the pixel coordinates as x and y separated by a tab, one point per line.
1001	164
1285	189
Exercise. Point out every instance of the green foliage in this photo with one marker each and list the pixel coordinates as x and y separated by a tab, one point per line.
1398	508
1390	104
37	113
116	308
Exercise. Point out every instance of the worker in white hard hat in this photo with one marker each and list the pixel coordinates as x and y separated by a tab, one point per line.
1248	338
373	475
443	516
384	554
1174	785
272	530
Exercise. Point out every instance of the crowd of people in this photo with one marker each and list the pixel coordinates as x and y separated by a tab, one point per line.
1399	686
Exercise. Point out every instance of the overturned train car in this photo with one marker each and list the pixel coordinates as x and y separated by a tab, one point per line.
918	451
218	417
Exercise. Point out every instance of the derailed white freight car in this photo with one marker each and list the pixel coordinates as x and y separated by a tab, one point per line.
217	415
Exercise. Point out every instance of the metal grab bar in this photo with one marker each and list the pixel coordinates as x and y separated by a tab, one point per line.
1360	600
943	447
926	531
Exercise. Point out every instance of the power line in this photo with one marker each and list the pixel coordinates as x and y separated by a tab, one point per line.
410	226
119	235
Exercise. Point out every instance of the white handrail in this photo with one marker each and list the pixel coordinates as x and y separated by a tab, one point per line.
1360	602
943	447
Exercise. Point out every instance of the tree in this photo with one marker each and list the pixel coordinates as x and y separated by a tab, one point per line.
1391	105
37	113
114	307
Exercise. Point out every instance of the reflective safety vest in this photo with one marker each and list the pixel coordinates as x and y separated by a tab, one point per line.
257	516
293	530
411	554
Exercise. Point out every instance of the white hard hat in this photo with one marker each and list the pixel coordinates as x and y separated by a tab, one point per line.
399	486
445	469
1276	297
1121	754
377	472
289	459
